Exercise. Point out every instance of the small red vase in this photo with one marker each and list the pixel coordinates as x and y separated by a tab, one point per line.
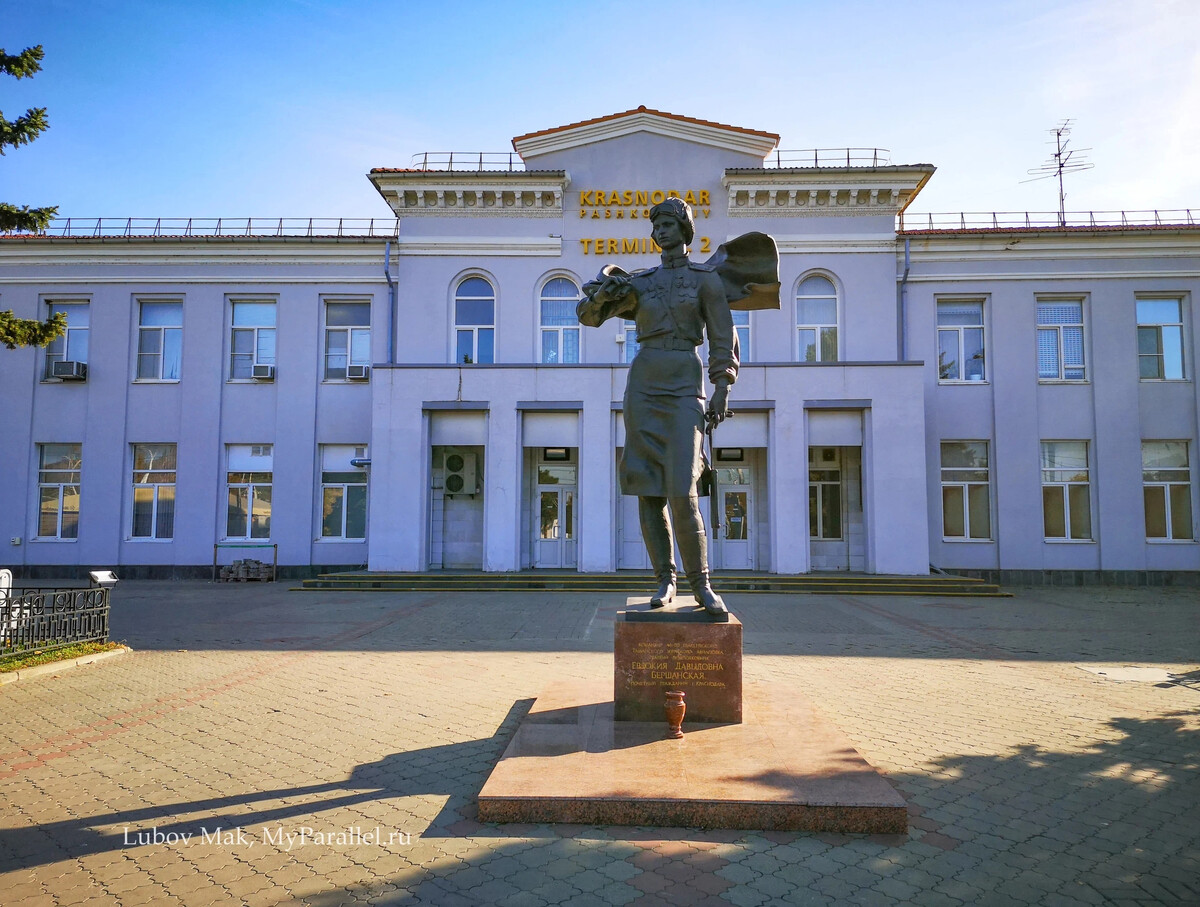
675	708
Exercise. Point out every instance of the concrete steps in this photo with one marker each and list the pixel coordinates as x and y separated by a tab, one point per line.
641	583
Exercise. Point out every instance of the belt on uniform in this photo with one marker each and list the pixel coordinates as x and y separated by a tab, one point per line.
667	343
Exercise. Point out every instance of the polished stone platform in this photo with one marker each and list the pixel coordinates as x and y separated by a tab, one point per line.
785	767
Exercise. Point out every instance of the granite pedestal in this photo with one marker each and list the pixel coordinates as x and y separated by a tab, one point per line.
667	649
784	767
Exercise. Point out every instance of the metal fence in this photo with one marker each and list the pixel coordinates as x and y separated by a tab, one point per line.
52	618
188	227
1021	220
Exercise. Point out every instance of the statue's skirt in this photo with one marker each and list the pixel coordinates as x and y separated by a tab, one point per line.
663	431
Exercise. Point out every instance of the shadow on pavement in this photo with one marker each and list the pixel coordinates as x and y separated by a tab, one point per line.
456	770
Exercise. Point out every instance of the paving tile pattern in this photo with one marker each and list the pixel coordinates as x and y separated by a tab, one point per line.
266	713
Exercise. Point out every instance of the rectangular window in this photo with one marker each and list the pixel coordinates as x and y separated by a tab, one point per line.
59	466
153	491
73	345
160	340
1060	340
630	344
347	337
960	341
1160	339
824	493
249	485
741	329
1167	490
966	499
252	341
343	492
817	327
1066	490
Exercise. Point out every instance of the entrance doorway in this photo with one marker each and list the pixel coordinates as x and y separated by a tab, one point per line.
554	516
735	542
836	531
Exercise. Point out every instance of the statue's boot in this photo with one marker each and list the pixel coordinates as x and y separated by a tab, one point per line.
694	550
656	532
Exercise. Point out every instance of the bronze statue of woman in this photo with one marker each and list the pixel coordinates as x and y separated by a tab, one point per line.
675	306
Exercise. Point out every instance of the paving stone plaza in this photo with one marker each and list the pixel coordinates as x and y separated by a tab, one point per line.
1048	746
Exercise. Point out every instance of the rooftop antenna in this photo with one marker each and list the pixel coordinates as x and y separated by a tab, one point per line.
1062	161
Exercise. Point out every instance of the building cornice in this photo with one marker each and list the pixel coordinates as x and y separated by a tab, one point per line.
54	252
476	246
823	191
472	194
654	122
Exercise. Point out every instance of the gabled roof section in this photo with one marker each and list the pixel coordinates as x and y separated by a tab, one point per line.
643	119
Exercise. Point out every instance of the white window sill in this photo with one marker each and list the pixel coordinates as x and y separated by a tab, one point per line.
962	541
1063	381
1170	541
363	381
155	381
961	382
328	539
1069	541
1164	380
53	539
250	380
139	539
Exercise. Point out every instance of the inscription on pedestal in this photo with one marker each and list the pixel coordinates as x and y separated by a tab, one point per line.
704	660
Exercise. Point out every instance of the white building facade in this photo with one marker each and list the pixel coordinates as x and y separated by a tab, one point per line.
419	396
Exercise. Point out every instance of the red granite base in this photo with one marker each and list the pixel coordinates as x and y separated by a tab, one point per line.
785	767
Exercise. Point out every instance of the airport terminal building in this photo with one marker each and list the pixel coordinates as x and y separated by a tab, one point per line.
415	393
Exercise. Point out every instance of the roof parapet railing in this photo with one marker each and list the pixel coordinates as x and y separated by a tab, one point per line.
830	157
1030	220
160	227
478	161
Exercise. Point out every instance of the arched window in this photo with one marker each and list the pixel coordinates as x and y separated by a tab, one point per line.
474	321
560	326
816	319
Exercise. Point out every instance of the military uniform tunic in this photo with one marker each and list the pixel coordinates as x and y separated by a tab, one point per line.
674	306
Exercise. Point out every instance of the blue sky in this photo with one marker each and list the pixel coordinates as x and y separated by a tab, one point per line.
277	108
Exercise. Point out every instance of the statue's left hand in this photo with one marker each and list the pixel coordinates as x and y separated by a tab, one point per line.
718	404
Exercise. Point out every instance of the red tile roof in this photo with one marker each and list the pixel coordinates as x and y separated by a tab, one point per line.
645	109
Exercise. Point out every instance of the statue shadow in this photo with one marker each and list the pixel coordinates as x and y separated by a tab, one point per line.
456	770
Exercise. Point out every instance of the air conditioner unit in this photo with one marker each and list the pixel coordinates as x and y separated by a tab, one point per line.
69	370
460	472
263	372
358	372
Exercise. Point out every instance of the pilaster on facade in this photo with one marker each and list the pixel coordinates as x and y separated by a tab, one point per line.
476	194
823	191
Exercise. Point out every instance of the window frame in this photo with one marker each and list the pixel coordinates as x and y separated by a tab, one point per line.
360	450
1181	324
60	487
559	331
1166	485
255	331
799	326
60	348
156	501
629	342
743	330
251	486
965	485
458	329
145	330
959	331
1065	485
1057	329
817	500
350	331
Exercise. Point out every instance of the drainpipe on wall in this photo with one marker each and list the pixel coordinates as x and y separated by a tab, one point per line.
387	273
904	303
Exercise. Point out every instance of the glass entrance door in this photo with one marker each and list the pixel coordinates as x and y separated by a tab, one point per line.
554	516
735	502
